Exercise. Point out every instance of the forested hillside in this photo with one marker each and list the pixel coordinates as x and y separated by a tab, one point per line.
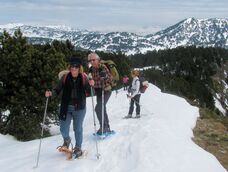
199	74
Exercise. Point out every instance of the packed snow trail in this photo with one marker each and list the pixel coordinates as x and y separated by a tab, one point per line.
160	141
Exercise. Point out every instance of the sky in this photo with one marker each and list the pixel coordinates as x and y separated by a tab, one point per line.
138	16
160	141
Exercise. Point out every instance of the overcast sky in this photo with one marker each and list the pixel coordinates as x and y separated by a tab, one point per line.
139	16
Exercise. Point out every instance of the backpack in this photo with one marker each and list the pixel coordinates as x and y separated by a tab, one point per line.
143	84
65	73
112	69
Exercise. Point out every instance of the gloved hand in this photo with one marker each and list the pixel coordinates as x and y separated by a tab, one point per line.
128	96
103	74
48	93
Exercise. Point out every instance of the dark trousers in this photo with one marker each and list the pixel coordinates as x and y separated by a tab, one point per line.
125	86
98	107
135	100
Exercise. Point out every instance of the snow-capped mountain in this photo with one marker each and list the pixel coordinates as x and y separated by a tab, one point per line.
198	32
207	32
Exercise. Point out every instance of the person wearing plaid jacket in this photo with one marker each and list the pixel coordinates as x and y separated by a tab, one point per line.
101	79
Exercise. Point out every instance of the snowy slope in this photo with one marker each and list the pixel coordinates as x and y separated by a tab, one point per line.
160	141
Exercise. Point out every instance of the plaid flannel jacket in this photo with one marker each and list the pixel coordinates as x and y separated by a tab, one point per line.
98	80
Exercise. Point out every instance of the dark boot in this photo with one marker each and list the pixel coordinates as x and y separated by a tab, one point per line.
107	130
137	116
99	131
66	143
77	152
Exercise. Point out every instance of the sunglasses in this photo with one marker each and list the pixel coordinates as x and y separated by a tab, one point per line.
75	66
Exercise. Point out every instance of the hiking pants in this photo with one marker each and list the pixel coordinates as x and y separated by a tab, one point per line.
78	118
98	107
135	100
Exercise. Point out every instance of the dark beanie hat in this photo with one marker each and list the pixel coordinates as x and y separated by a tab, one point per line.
75	61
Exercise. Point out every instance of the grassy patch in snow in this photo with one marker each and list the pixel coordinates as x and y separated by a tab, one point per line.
211	133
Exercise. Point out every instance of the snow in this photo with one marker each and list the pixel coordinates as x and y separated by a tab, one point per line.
160	141
11	25
219	106
148	67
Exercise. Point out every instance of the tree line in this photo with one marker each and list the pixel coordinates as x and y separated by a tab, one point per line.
185	71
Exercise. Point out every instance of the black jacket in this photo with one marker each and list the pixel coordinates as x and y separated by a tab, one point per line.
74	93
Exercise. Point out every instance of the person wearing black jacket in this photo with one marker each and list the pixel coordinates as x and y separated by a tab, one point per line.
73	86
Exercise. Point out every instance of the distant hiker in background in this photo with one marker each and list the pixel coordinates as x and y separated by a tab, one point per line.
101	81
74	85
134	94
125	81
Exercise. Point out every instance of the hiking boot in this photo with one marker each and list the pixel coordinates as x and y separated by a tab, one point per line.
137	116
99	132
77	152
107	130
66	143
128	116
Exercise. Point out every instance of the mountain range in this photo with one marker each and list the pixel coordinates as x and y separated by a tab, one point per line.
191	31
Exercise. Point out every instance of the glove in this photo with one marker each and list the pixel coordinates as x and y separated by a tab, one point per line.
128	96
103	74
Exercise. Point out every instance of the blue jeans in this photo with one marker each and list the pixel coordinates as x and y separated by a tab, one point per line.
78	118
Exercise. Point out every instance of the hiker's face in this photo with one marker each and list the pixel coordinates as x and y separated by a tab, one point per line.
94	61
74	70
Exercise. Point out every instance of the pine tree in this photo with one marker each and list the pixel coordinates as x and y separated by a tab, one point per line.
26	73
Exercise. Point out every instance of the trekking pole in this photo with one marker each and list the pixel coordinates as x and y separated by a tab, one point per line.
128	96
102	116
94	122
42	133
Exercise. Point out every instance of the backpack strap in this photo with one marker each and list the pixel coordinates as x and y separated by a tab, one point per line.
139	84
137	80
84	82
64	78
84	78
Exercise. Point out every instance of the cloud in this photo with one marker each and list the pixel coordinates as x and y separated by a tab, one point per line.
108	14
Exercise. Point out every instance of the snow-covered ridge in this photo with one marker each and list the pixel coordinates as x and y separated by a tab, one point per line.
191	31
11	25
159	141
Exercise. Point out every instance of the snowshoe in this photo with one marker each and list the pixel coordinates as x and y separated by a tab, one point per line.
128	116
76	153
105	134
68	152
